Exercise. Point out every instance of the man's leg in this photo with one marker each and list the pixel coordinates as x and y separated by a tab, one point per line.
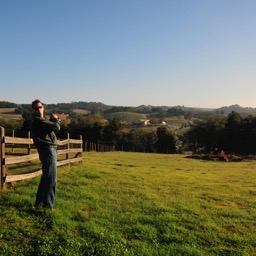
50	178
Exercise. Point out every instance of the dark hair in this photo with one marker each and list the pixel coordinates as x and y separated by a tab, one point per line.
35	102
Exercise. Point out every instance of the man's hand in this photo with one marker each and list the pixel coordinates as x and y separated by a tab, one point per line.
53	116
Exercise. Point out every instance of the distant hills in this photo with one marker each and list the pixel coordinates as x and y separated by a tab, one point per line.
237	109
142	109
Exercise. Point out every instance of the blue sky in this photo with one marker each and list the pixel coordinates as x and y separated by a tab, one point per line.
196	53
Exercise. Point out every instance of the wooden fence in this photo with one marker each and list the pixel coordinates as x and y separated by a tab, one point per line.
97	147
15	150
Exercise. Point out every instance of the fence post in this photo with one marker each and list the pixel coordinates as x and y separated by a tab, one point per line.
81	154
29	145
2	158
81	138
67	155
13	135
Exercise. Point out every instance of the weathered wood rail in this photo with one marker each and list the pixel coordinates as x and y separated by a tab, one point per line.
70	149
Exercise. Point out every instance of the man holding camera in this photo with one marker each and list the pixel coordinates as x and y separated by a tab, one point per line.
43	132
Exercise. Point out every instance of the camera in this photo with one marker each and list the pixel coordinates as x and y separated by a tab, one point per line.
53	116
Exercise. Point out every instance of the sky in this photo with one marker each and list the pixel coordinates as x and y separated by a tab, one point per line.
193	53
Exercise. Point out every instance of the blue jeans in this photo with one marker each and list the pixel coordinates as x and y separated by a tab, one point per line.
46	192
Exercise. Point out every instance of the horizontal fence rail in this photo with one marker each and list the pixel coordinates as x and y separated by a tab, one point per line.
15	150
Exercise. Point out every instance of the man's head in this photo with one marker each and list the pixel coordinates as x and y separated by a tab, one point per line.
38	108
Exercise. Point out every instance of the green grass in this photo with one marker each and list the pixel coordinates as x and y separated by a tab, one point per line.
136	204
175	120
125	116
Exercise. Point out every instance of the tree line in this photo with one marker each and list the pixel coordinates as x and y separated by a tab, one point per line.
233	134
114	133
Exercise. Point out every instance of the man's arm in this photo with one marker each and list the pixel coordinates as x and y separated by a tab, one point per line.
49	125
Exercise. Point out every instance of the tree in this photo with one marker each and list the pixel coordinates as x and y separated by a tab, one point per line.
165	141
204	137
112	132
248	135
174	112
139	140
231	134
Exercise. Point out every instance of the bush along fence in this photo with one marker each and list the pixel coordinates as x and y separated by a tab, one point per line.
15	150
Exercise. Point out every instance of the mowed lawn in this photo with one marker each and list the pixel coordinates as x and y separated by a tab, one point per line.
120	203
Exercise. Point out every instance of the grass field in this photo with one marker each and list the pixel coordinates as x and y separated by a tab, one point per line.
136	204
125	116
9	113
176	120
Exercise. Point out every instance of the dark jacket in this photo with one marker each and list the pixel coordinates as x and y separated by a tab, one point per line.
44	131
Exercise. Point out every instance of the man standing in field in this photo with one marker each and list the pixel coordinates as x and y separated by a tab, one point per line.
44	136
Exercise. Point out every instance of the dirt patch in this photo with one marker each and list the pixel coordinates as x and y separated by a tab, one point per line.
7	110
